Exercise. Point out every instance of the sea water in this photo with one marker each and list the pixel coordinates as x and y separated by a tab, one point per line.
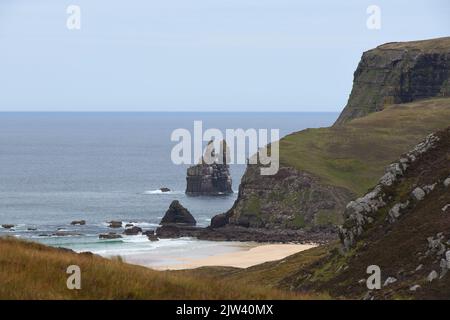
60	167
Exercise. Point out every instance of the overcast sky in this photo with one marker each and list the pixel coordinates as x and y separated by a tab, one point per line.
196	55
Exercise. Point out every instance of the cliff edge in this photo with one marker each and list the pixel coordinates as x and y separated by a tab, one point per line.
399	72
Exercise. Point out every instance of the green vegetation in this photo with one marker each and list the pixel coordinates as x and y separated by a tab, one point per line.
432	45
355	154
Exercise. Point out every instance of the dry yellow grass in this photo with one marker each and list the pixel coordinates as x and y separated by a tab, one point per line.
34	271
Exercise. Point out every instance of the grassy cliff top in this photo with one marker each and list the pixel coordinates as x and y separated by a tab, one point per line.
437	44
34	271
355	154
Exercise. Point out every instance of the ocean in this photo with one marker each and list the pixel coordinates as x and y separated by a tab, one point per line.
60	167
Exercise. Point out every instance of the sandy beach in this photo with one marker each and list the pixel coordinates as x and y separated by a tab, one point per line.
246	256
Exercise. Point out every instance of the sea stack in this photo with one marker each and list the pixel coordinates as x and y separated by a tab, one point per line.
211	176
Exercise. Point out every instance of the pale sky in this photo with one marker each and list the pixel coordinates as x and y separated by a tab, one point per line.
196	55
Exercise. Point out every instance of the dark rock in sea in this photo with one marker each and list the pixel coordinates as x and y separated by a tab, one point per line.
151	235
168	232
128	225
7	226
115	224
164	189
31	229
132	231
78	222
211	176
177	214
110	235
66	233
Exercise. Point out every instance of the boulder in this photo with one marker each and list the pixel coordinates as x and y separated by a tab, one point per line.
7	226
151	235
132	231
395	211
177	214
447	182
31	229
389	281
432	276
219	220
115	224
164	189
414	287
418	194
110	235
78	222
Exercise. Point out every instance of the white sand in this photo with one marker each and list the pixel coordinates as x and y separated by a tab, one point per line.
245	258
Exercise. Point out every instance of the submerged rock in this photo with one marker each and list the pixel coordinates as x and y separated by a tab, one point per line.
78	222
115	224
164	189
110	235
66	234
151	235
177	214
7	226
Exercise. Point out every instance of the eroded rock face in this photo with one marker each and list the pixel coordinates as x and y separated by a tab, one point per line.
360	213
177	214
205	179
399	73
211	176
289	199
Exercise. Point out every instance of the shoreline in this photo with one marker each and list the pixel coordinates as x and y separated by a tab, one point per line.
246	255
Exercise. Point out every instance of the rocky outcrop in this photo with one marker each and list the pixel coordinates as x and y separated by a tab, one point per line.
132	231
362	212
78	222
290	199
177	214
109	236
399	73
115	224
211	176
